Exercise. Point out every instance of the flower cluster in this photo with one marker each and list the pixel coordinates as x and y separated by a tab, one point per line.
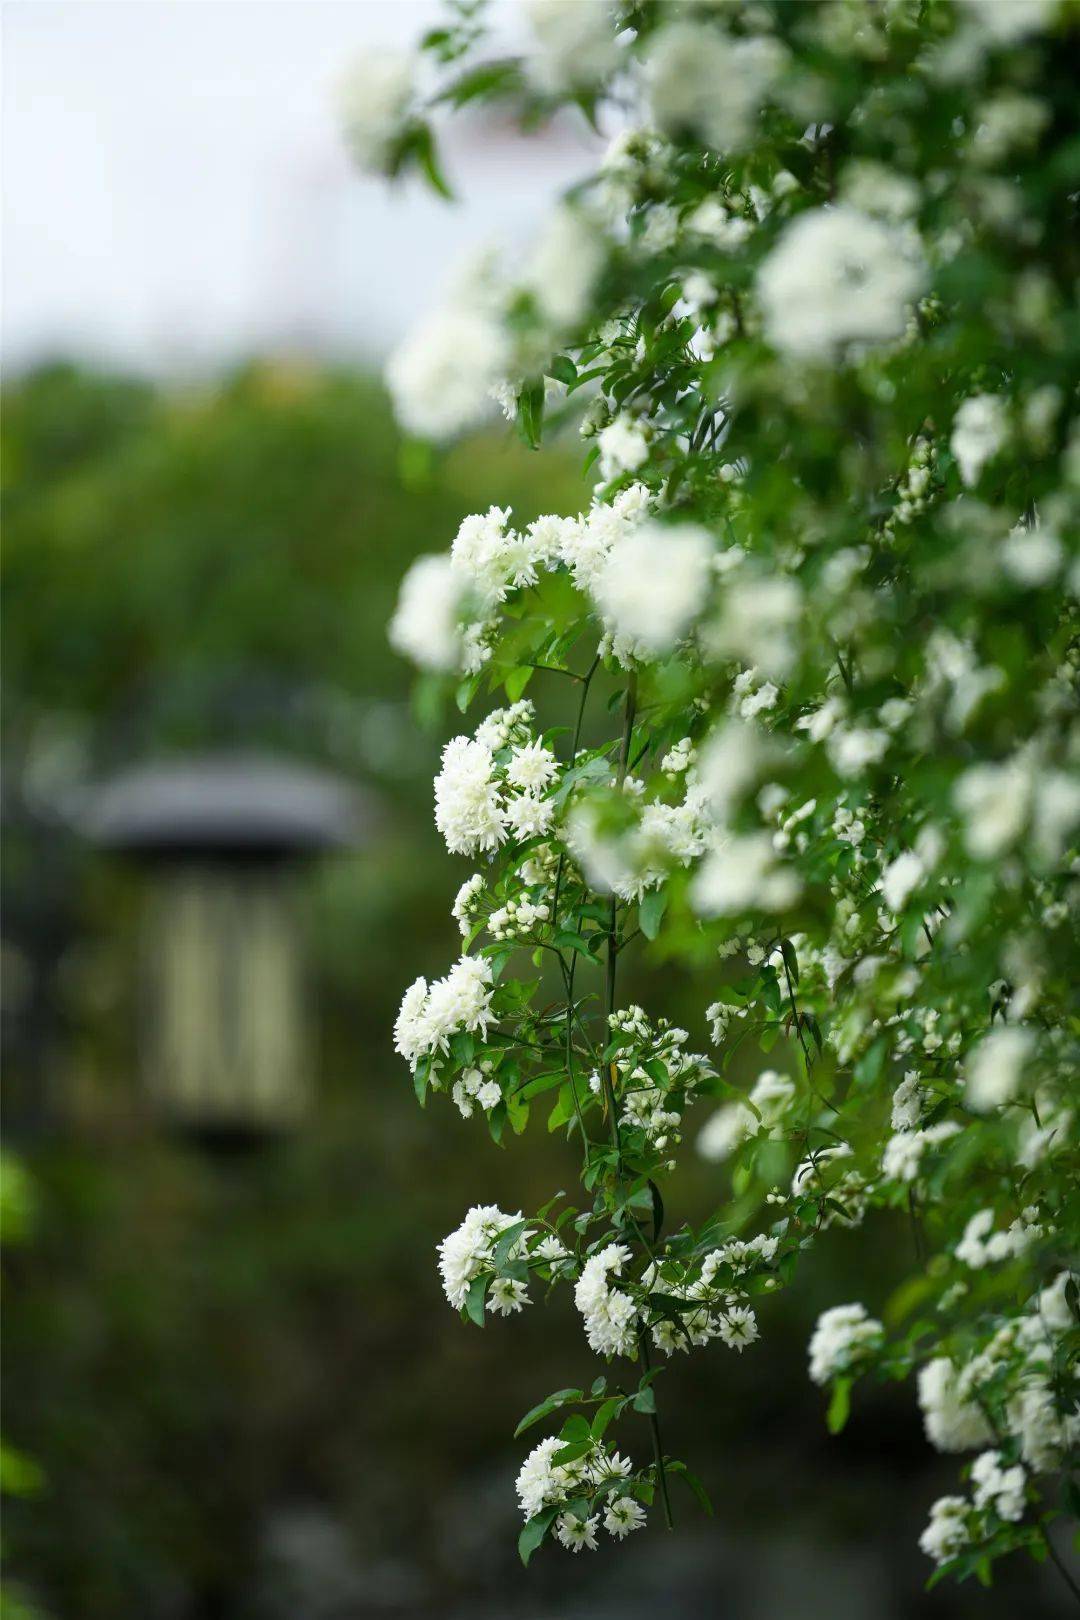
815	330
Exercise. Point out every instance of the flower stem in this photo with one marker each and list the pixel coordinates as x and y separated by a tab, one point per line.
608	1072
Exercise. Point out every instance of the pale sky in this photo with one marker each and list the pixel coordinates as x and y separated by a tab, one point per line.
175	194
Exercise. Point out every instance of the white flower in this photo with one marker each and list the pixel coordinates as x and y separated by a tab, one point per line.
460	1001
947	1532
997	1487
489	1095
994	1067
844	1336
412	1030
622	1516
575	1533
466	902
374	103
900	879
506	1296
538	1482
441	377
952	1422
563	267
528	816
679	758
852	748
531	767
550	1249
426	623
609	1314
704	82
758	617
980	429
738	1327
1032	556
1005	21
654	583
464	1252
995	801
731	762
902	1157
576	40
624	445
872	188
1045	1433
468	808
907	1103
741	874
491	557
732	1123
836	277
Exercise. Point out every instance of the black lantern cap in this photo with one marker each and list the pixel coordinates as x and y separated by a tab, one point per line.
233	805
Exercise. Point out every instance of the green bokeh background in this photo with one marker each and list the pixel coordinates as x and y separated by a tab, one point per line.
236	1372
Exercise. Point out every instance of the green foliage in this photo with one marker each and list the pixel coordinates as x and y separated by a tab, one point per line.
818	306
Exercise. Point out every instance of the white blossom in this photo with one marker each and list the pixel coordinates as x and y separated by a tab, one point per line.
623	1515
844	1336
576	40
998	1487
469	811
703	81
575	1533
563	267
441	377
609	1314
952	1421
653	584
947	1533
980	429
742	873
532	767
900	879
836	277
374	104
465	1252
994	1067
624	446
426	623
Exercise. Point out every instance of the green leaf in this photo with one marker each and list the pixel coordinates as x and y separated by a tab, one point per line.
604	1415
517	680
505	1243
573	942
575	1428
791	961
657	1210
839	1406
474	1300
645	1400
20	1475
651	912
423	147
563	369
571	1452
680	1470
563	1110
530	413
561	1397
534	1532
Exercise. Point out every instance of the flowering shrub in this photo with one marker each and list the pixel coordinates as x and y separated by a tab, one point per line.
813	316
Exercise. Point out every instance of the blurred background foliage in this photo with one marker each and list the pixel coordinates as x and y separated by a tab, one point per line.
233	1387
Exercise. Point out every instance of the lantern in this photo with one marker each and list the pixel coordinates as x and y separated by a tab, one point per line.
225	1039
